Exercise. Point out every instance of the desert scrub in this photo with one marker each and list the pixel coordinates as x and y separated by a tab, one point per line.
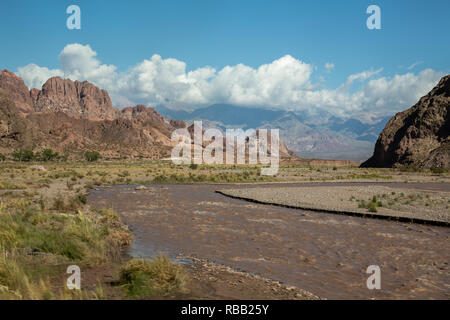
159	277
32	239
15	283
371	176
371	205
438	170
221	177
7	185
72	205
80	237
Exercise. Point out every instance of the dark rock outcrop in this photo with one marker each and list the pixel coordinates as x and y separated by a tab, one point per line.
419	136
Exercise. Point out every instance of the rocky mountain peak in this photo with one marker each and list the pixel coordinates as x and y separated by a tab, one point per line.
76	99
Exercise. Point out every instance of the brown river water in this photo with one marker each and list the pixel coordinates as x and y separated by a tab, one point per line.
323	253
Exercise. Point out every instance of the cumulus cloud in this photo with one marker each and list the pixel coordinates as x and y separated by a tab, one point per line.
276	83
79	62
35	76
284	83
400	90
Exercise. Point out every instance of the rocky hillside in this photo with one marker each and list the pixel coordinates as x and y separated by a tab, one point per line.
419	136
72	117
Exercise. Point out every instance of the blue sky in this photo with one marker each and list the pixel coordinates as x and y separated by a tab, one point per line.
225	33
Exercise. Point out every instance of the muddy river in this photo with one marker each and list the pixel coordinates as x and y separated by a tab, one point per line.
325	254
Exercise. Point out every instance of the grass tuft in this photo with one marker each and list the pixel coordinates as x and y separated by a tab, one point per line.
147	278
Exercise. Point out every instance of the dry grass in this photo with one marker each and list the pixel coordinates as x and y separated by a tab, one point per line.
158	277
35	242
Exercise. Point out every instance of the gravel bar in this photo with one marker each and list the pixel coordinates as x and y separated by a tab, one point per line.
401	204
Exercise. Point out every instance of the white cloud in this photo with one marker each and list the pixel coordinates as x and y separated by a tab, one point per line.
400	90
362	75
79	62
329	66
415	64
35	76
284	83
276	83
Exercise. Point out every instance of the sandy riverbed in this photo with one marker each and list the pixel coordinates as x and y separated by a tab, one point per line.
414	204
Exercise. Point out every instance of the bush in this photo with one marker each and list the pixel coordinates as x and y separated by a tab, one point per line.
49	155
2	157
160	276
410	169
23	155
92	156
437	170
59	204
372	207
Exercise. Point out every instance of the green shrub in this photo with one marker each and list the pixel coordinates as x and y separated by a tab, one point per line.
372	207
92	156
49	155
23	155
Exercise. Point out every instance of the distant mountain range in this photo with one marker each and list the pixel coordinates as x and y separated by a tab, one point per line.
325	137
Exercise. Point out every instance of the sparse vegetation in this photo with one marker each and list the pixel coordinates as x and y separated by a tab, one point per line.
152	278
49	155
438	170
92	156
23	155
33	238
